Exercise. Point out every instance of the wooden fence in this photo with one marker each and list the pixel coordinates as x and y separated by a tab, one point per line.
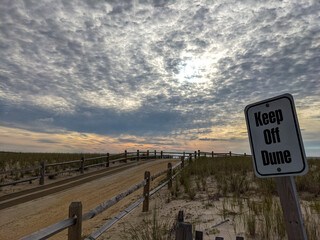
74	222
84	163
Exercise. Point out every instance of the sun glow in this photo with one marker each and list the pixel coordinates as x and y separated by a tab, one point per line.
192	71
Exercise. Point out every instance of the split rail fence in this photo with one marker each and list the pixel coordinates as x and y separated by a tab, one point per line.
74	222
40	172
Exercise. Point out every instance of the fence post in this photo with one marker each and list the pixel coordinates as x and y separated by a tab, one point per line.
138	155
146	192
108	158
42	172
195	155
82	165
147	154
205	154
184	230
291	208
230	153
182	162
169	175
180	216
161	154
199	235
155	154
212	153
75	210
125	156
198	153
244	154
190	157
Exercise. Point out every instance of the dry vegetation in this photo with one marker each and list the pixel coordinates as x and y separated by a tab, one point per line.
253	201
16	160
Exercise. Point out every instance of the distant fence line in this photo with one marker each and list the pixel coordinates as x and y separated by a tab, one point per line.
74	222
120	157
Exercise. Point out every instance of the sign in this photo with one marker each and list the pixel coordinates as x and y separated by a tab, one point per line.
275	138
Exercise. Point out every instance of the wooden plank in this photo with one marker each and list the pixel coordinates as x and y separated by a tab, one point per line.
104	206
146	192
19	181
51	230
180	216
153	177
42	172
199	235
75	211
63	171
184	231
169	175
110	223
82	165
19	170
291	208
95	158
62	163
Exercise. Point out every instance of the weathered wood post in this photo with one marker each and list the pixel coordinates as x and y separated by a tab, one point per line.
42	172
184	154
138	157
199	153
169	175
244	154
155	154
291	208
146	192
180	216
75	211
147	154
205	154
108	159
230	153
125	156
184	230
190	157
195	155
161	155
199	235
212	154
82	165
182	162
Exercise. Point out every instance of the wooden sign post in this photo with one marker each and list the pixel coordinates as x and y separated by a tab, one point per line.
291	208
277	151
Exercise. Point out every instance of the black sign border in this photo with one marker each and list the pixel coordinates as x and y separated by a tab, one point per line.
290	98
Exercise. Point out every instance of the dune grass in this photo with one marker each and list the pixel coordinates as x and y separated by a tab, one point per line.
235	179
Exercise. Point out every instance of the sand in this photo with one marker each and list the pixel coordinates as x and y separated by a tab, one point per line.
29	217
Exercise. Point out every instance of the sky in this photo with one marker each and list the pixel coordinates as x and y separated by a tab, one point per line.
105	76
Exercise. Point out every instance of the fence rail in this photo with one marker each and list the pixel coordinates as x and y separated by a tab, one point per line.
67	223
119	157
71	222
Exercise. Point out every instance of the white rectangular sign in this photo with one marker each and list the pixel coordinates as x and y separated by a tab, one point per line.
275	138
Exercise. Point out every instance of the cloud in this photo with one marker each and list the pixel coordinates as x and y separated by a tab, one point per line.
154	68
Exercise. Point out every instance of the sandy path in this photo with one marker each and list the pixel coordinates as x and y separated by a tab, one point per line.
26	218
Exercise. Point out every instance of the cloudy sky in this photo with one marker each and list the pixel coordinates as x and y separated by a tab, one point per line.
98	76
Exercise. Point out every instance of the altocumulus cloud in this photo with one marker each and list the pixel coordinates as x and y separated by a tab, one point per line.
154	68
